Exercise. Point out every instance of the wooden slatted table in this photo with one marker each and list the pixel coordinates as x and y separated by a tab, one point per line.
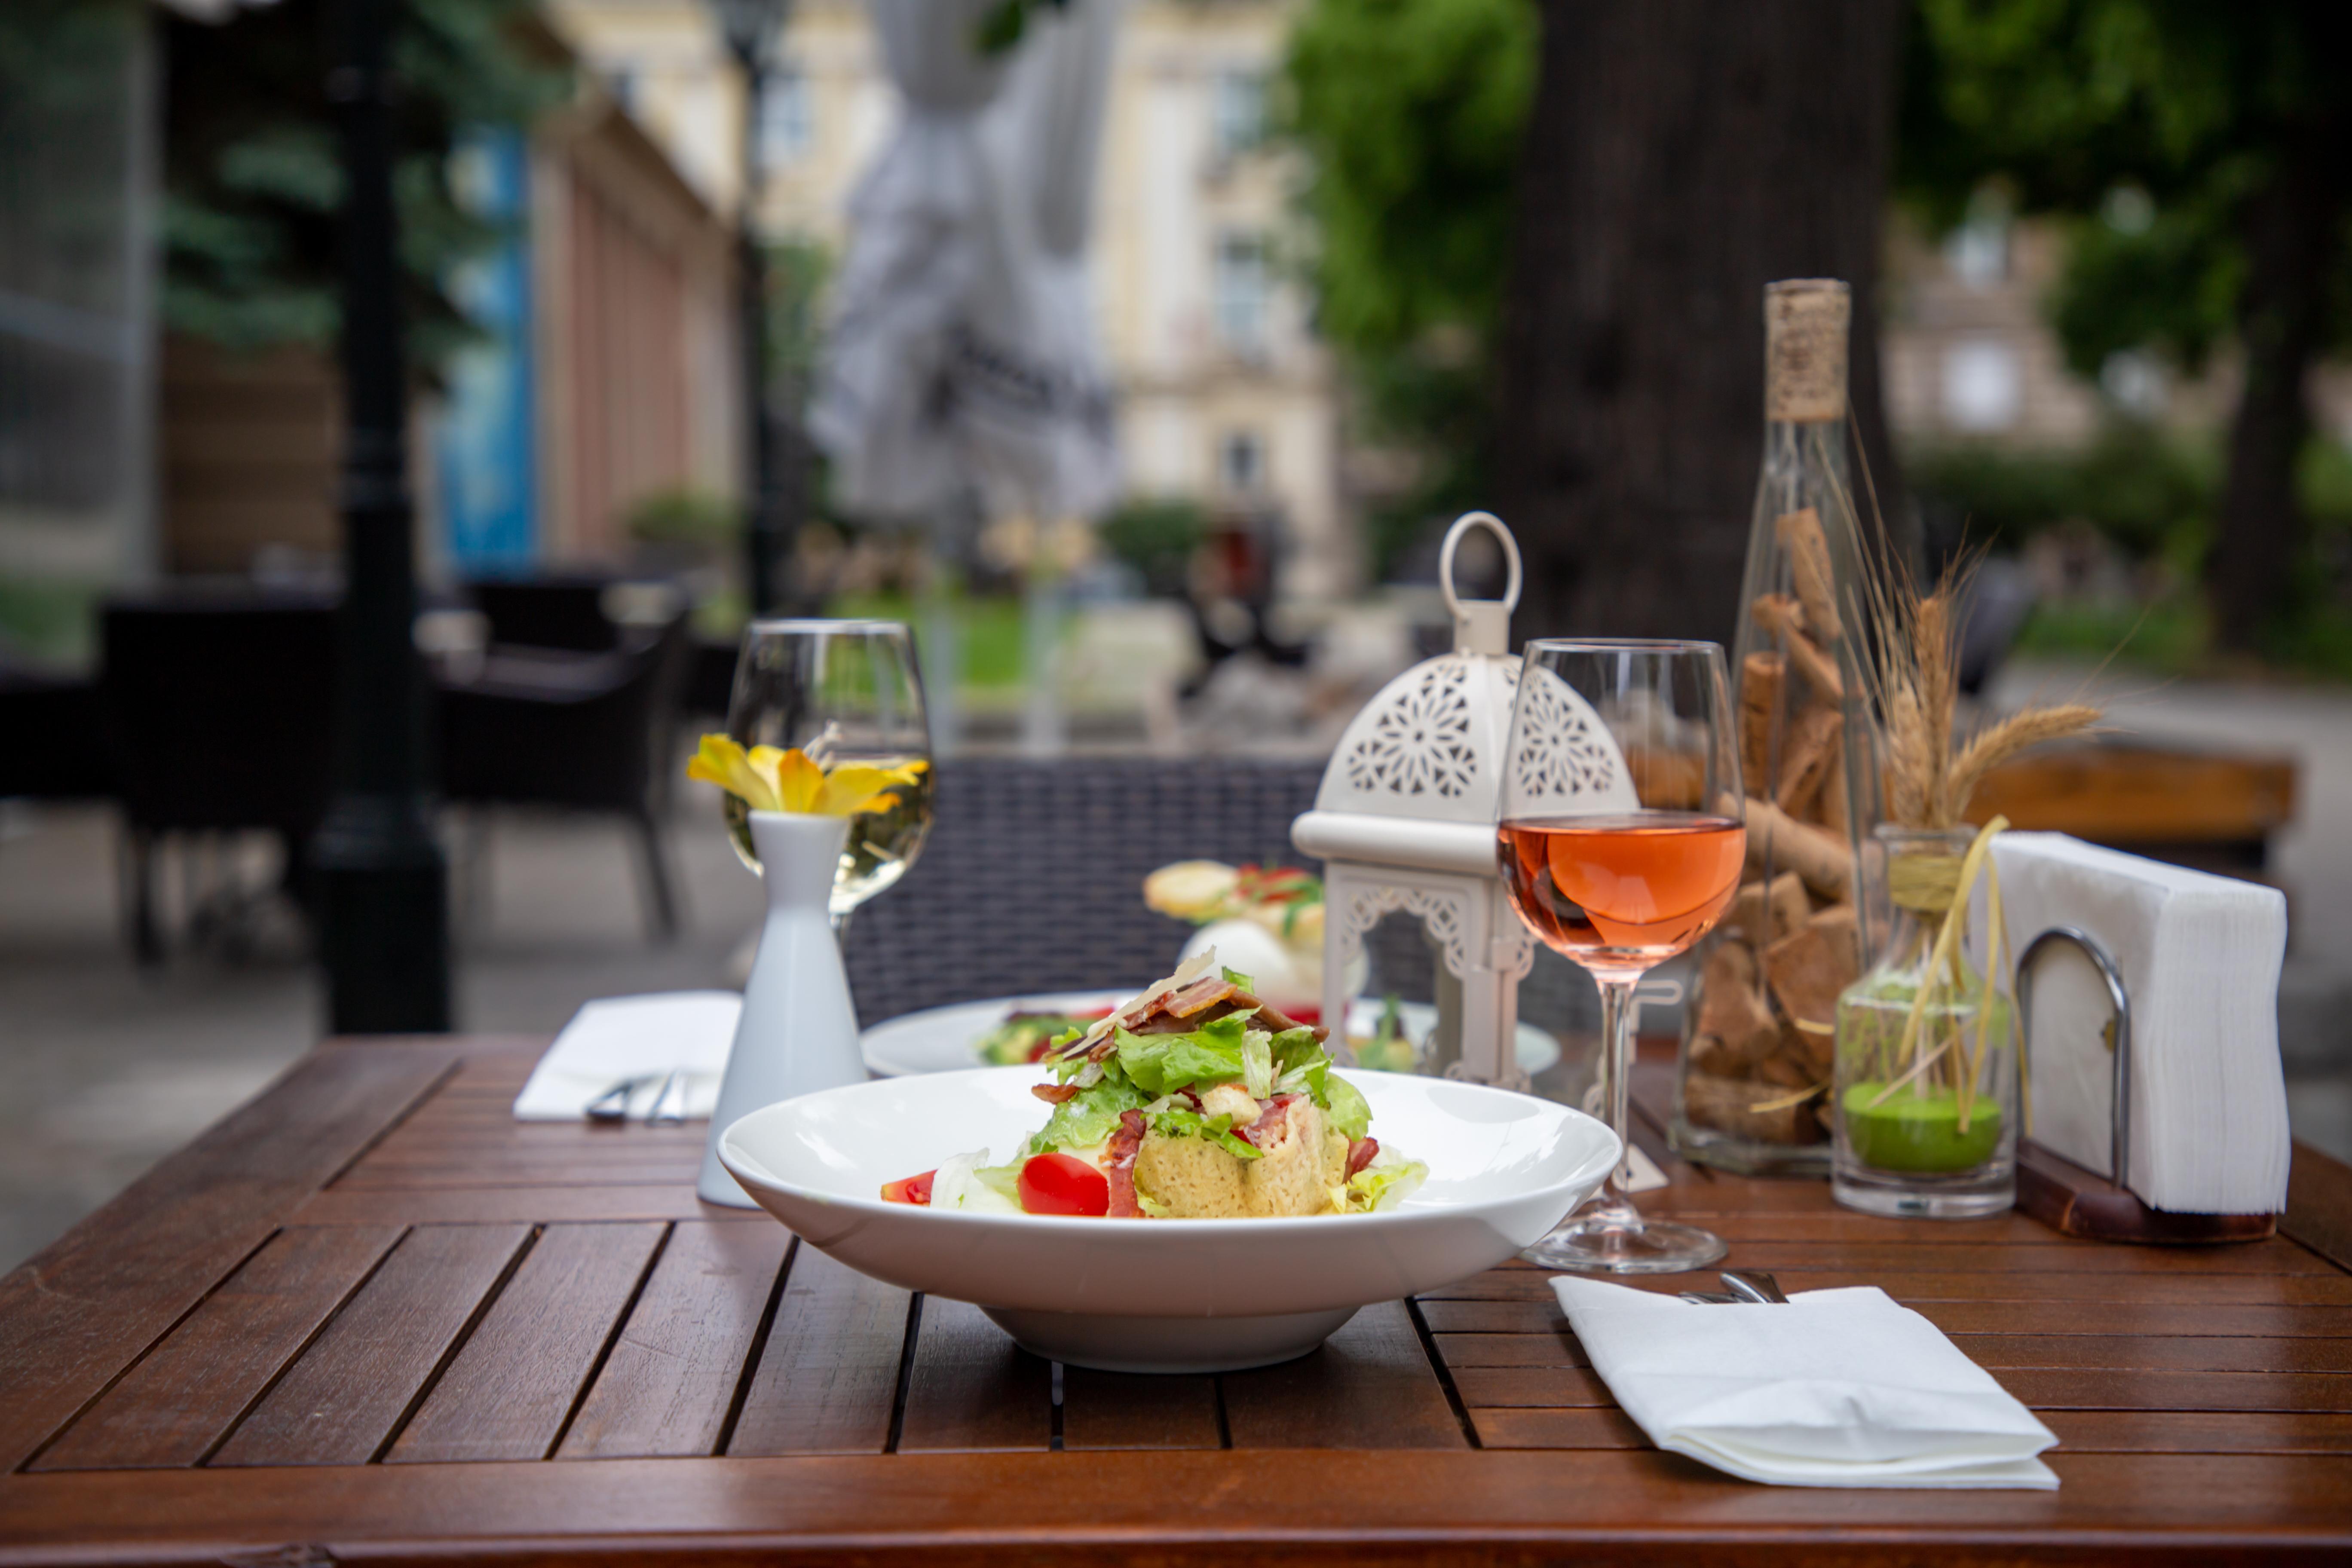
371	1316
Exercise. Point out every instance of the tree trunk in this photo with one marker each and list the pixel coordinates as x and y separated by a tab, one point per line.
2292	227
1681	155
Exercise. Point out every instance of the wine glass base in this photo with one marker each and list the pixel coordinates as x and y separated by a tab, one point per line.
1603	1244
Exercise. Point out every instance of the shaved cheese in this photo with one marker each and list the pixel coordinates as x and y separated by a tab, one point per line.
1192	969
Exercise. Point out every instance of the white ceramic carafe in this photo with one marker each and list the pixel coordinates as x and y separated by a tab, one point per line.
799	1030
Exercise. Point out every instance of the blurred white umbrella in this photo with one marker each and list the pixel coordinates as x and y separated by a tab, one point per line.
961	355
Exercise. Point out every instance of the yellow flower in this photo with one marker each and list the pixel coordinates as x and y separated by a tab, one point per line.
767	779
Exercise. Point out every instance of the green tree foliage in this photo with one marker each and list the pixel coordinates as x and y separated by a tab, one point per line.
2146	123
254	181
2151	494
2200	154
1411	113
1158	536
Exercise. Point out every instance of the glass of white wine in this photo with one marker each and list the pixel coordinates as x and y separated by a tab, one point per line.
842	691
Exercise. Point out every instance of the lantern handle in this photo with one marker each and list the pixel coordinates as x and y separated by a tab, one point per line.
1480	626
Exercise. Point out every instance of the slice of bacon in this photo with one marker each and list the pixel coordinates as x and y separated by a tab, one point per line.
1266	1130
1198	996
1055	1093
1189	1007
1360	1153
1118	1164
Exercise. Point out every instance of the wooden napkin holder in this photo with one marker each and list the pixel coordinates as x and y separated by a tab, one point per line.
2073	1201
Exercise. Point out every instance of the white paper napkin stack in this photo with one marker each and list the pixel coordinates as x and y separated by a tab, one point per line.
2200	956
642	1037
1838	1388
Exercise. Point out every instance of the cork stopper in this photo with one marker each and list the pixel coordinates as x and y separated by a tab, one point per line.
1805	321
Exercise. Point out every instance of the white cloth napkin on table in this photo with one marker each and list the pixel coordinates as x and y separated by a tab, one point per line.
1837	1388
635	1037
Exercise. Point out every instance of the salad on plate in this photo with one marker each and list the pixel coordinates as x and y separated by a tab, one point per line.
1026	1035
1195	1099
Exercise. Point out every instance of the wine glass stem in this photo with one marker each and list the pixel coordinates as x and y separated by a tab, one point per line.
841	925
1613	1202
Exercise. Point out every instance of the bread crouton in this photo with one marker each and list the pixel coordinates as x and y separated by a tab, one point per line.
1192	1178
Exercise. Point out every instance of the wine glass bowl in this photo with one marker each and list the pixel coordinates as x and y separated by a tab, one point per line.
842	691
1618	844
1621	891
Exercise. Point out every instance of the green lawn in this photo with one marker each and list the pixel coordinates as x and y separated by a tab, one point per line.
54	622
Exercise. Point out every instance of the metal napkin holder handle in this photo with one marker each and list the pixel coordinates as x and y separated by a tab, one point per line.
2119	1031
2076	1202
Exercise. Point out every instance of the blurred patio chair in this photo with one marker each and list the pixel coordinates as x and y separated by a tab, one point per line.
576	730
562	610
53	737
1032	878
220	707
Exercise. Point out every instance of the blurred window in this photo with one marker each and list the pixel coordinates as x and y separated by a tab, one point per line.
787	125
1240	462
2128	209
1239	111
1240	287
1978	251
73	206
1983	385
2134	381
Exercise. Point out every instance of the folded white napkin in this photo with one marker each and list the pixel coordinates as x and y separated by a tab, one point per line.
1838	1388
635	1037
2200	956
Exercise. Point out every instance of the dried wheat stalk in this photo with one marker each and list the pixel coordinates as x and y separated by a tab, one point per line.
1998	743
1915	677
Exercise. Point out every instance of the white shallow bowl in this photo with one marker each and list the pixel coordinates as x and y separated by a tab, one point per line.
945	1039
1163	1295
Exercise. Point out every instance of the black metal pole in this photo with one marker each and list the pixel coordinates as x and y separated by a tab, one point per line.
383	928
766	526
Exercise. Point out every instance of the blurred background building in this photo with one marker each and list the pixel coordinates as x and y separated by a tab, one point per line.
1225	398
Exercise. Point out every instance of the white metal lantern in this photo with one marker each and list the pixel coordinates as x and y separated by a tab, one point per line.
1405	820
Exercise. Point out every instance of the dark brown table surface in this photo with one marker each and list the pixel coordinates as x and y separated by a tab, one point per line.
370	1316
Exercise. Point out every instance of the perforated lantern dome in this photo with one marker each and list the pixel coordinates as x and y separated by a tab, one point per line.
1405	820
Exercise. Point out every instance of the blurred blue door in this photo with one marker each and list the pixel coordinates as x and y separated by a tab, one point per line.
484	451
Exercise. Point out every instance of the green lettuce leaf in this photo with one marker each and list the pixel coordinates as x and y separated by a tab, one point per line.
1015	1041
1217	1129
1163	1064
1300	1062
1004	1180
1257	1064
1350	1114
1387	1182
1087	1117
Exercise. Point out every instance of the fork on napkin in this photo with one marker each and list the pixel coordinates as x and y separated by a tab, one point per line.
1833	1388
639	1038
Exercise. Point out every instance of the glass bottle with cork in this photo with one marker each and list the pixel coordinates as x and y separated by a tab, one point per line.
1757	1059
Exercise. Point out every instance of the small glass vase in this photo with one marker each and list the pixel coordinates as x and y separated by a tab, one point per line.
1925	1101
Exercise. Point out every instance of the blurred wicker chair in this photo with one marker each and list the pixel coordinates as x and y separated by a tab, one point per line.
221	706
579	730
1032	878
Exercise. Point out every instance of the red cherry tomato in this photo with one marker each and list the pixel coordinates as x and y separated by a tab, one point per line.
1064	1184
910	1189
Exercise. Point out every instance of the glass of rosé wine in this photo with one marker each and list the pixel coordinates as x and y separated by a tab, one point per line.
1619	836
